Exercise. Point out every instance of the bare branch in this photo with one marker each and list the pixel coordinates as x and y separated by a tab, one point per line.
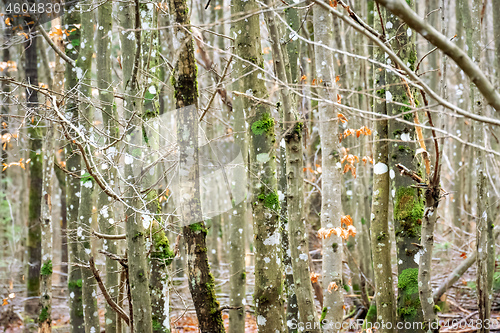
105	293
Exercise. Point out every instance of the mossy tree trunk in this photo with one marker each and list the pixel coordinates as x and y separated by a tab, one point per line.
380	234
45	317
333	299
268	295
201	281
73	164
87	188
35	191
408	202
106	208
134	226
297	231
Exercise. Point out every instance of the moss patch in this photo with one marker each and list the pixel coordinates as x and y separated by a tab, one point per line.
409	210
46	268
271	200
408	288
264	125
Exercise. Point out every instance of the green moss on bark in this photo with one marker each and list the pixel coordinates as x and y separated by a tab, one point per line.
408	286
46	268
409	210
264	125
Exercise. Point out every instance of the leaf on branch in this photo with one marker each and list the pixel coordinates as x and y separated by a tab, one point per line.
342	118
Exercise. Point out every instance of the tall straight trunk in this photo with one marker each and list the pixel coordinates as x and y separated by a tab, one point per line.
73	185
134	227
484	231
237	220
408	202
432	198
297	231
380	234
106	208
201	281
262	171
291	52
45	317
333	298
85	214
161	254
48	151
35	191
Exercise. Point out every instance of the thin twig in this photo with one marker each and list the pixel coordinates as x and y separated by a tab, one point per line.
104	236
105	293
217	87
55	48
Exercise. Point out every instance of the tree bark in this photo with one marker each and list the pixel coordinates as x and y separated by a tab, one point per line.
201	281
85	214
297	231
35	190
380	235
73	185
333	299
408	201
106	208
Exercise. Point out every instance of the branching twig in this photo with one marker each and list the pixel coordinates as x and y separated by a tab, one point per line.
105	293
55	48
217	87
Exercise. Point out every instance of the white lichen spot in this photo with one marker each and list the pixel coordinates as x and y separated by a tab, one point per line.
380	168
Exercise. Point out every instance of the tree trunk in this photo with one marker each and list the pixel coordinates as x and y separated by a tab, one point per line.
484	231
35	190
333	298
106	208
201	281
408	201
87	189
380	235
73	185
135	224
297	231
237	220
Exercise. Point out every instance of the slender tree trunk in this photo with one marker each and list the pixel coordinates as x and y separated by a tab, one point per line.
237	220
45	317
484	231
201	281
135	224
380	234
408	202
73	185
297	231
106	208
85	213
262	168
333	298
292	49
35	190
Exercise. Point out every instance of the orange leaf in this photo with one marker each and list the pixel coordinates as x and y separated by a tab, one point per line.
342	118
332	286
337	78
463	255
339	98
7	21
313	82
5	301
303	78
314	277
